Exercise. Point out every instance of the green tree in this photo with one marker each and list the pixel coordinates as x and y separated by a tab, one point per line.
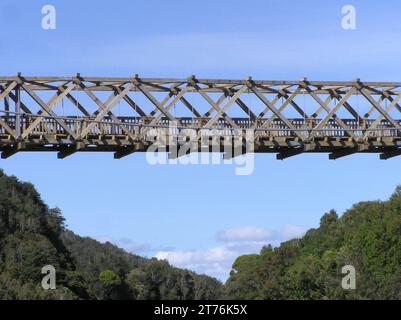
135	281
367	236
111	284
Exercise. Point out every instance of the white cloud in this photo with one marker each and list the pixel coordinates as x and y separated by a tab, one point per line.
217	261
214	254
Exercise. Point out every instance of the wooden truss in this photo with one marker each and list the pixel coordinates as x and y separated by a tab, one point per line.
339	117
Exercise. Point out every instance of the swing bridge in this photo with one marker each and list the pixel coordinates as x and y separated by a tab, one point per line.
79	114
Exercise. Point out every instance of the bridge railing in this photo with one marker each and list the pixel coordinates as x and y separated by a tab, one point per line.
136	125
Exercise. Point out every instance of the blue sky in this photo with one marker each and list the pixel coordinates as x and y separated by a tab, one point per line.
202	216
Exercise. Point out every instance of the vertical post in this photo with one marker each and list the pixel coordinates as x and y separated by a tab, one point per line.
7	105
18	112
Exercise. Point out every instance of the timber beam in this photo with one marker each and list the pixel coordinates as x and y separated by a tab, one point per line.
10	151
289	153
67	151
347	152
390	154
295	151
126	151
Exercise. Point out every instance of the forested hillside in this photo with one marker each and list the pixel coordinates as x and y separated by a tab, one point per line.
367	236
32	236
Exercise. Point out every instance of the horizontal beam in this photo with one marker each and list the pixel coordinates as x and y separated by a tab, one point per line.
47	79
336	154
124	147
67	151
390	154
10	151
289	153
208	85
296	151
342	153
125	151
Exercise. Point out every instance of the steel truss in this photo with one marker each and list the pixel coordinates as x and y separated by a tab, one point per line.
340	118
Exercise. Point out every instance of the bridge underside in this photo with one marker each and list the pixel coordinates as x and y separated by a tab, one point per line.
283	150
127	115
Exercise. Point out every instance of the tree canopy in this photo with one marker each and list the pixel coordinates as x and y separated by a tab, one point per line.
367	237
33	235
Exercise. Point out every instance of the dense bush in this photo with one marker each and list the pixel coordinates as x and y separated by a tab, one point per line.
367	236
32	236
